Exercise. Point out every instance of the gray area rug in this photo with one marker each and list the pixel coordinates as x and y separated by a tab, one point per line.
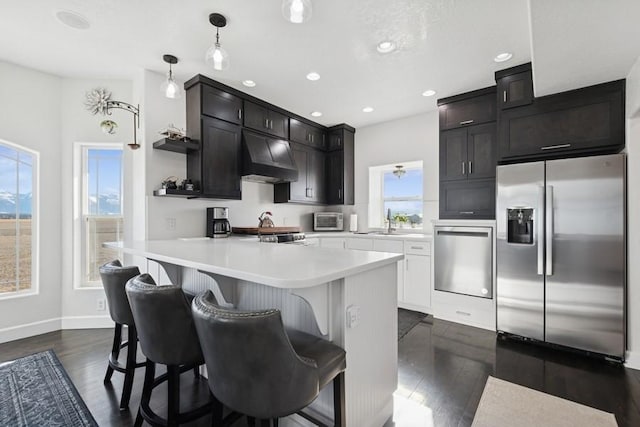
504	404
408	319
36	391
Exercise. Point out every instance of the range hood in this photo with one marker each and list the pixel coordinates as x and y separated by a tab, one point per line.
266	159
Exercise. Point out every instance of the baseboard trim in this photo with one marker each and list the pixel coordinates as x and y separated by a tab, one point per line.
86	322
29	329
632	360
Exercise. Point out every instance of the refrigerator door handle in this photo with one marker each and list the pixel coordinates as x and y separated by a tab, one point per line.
540	230
549	231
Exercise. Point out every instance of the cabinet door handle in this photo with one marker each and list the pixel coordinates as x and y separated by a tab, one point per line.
463	172
466	122
463	313
555	147
339	194
307	192
266	123
406	264
504	96
270	124
239	114
466	212
470	170
311	138
417	247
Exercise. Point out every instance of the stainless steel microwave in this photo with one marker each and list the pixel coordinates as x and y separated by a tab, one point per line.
328	221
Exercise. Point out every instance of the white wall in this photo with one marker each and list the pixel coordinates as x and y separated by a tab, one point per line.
396	142
633	214
78	125
30	116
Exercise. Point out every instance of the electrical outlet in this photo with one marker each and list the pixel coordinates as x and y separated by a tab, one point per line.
353	316
101	304
171	223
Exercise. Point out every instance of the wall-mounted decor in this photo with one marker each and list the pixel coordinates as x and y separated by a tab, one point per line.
98	101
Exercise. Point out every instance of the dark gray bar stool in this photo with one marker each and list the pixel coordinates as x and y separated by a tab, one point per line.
114	278
257	368
167	336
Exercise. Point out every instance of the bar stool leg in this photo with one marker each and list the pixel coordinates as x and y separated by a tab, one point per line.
251	422
132	349
338	401
217	416
149	376
115	351
173	386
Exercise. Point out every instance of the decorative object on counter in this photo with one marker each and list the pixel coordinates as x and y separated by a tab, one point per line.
399	171
297	11
187	185
98	101
400	219
264	220
174	132
169	87
216	56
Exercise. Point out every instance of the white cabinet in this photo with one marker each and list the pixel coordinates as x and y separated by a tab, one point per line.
417	283
360	244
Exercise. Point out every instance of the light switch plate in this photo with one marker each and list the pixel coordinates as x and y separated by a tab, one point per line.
353	316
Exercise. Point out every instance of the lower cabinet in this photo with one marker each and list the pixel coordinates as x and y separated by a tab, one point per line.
468	199
414	272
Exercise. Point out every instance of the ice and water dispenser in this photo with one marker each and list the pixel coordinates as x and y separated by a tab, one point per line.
520	225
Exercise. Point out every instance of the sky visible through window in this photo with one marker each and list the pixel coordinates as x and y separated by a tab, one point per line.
404	195
16	174
104	182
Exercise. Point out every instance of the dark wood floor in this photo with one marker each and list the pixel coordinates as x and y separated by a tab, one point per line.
443	367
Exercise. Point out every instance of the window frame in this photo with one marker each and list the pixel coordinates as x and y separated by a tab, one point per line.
80	201
377	214
35	224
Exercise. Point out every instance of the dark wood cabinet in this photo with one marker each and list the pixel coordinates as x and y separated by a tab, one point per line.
468	199
306	134
515	86
340	166
468	153
585	121
468	109
265	120
221	105
215	169
310	186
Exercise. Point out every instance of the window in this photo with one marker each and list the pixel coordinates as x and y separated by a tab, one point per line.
398	191
18	220
99	202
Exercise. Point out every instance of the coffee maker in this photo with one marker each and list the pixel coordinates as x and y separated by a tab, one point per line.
218	222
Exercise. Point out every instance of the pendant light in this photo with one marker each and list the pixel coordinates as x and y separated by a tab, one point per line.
297	11
169	87
217	57
399	171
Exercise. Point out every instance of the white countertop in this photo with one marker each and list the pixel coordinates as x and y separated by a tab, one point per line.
371	235
279	265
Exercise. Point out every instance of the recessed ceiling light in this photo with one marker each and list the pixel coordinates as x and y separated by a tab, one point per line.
249	83
429	92
316	114
367	109
386	46
502	57
313	76
73	19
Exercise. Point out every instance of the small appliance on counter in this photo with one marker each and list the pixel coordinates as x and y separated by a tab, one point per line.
218	222
328	221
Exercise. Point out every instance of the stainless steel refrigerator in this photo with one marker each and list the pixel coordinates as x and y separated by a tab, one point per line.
561	252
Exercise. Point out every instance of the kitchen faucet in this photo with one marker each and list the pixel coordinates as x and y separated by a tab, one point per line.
389	229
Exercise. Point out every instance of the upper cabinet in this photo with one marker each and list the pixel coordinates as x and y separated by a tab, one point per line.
468	109
306	134
468	155
266	120
219	104
310	186
515	86
580	122
340	166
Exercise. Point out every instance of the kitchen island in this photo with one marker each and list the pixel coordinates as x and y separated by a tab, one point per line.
348	297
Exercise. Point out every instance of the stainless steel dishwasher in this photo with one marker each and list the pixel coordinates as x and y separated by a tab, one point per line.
463	260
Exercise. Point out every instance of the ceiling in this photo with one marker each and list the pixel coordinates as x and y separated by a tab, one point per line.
444	45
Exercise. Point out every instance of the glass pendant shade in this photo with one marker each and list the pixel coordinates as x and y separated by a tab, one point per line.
217	57
297	11
170	88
